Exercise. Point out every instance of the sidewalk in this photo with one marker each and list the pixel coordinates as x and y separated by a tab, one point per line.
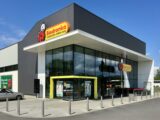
32	108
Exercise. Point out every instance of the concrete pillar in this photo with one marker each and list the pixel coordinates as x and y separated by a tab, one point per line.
41	73
126	80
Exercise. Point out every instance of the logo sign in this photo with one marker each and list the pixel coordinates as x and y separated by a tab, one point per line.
53	31
41	35
57	30
125	67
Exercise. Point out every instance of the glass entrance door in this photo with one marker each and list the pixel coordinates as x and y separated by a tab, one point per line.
59	89
68	89
78	89
88	88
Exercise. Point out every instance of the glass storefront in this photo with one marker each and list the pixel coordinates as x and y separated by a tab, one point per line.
73	88
78	60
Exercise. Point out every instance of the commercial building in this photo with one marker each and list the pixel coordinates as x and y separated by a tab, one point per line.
76	54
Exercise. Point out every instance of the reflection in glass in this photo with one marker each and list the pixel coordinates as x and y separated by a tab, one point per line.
78	60
58	61
49	67
89	62
68	60
99	63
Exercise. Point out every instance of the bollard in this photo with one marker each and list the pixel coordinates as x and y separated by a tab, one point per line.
7	105
87	104
141	95
129	99
150	95
102	102
42	108
18	106
69	107
133	96
121	99
112	100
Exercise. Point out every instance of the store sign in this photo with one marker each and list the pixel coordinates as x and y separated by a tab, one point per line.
53	31
125	67
57	30
6	82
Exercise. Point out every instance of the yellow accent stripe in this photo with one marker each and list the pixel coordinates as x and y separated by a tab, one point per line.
51	88
95	88
72	77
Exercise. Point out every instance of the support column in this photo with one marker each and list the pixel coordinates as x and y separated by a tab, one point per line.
41	73
146	75
126	81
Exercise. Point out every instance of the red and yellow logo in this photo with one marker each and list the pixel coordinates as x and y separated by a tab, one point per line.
41	34
57	30
125	67
53	31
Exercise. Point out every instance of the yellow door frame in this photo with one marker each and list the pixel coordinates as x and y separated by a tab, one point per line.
52	78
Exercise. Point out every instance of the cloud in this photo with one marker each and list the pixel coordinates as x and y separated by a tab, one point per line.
20	33
8	39
10	34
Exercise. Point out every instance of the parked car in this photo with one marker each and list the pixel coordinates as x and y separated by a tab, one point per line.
4	93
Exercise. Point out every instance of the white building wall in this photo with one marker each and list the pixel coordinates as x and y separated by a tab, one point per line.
146	75
14	79
9	56
41	73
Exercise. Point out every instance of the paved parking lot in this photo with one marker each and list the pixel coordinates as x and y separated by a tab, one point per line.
32	108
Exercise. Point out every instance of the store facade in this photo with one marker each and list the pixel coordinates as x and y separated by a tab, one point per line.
76	54
74	63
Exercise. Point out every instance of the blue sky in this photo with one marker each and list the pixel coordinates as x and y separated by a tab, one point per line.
141	18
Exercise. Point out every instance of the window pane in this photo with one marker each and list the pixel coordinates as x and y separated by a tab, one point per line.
106	66
49	70
99	64
78	60
133	74
89	62
68	60
48	63
58	61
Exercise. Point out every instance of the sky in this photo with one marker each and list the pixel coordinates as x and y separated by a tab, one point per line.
140	18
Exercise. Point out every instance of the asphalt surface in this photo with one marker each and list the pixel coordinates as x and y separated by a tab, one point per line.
146	110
